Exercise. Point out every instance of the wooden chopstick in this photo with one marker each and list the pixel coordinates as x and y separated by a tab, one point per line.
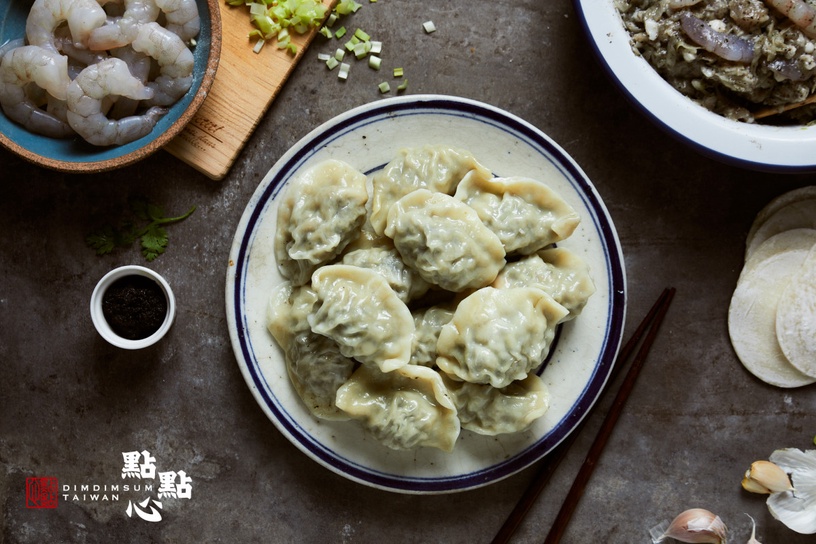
578	486
551	462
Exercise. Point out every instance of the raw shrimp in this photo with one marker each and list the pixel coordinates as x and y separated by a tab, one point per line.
94	84
175	63
122	31
45	16
49	70
799	12
139	66
182	17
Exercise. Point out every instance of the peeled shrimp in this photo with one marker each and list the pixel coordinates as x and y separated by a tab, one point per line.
182	17
45	16
175	63
799	12
122	30
94	84
46	69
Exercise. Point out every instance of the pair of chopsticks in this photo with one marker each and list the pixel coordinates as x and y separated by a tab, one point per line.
651	322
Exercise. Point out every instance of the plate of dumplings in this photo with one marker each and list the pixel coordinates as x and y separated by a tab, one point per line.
426	294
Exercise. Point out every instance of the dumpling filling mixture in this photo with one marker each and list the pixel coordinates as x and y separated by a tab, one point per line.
743	59
422	300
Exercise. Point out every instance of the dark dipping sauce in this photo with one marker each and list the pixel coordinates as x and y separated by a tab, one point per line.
134	306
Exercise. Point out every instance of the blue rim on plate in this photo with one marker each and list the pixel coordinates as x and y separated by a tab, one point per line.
76	156
780	149
367	137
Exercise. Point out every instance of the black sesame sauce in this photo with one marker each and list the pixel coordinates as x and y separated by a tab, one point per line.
134	306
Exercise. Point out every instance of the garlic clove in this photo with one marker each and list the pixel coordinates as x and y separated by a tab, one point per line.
696	525
766	477
796	508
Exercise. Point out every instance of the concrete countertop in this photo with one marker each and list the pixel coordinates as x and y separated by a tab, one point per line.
71	405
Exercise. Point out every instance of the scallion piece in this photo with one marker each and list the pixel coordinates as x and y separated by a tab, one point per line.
258	46
343	73
340	53
374	62
332	63
398	72
429	26
340	32
361	35
402	86
376	47
384	87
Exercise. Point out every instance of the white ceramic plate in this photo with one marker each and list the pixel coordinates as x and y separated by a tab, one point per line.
760	147
577	369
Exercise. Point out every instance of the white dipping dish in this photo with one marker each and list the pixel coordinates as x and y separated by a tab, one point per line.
103	327
752	146
368	137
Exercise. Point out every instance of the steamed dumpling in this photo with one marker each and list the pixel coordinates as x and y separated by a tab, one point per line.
382	257
444	240
498	336
524	213
428	324
436	168
403	409
484	409
320	212
559	272
315	366
359	310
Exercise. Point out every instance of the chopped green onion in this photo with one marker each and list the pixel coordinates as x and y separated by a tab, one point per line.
331	19
361	35
339	54
374	62
332	63
344	7
429	26
398	72
323	56
361	50
403	85
258	46
376	47
384	87
340	32
343	73
326	32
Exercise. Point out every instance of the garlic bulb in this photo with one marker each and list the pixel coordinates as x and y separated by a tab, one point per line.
696	525
766	477
796	508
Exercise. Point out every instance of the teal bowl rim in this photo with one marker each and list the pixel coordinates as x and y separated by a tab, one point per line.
74	156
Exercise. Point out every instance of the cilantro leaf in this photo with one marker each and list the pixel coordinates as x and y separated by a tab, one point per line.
153	236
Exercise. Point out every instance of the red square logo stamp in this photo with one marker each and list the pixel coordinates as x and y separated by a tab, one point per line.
41	492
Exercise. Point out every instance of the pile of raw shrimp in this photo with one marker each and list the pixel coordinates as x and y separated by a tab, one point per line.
106	70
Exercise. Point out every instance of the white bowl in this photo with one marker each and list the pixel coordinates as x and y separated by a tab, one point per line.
759	147
577	367
102	325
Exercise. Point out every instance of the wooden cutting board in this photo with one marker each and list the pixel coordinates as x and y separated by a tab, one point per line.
245	85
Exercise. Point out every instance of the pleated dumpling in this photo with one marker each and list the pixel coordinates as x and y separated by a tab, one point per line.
487	410
436	168
498	336
358	309
382	257
524	213
428	324
320	212
404	409
314	364
559	272
444	240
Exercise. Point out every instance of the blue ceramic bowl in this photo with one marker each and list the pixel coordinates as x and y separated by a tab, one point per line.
77	156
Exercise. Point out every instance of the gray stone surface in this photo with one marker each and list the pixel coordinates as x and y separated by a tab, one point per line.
70	404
